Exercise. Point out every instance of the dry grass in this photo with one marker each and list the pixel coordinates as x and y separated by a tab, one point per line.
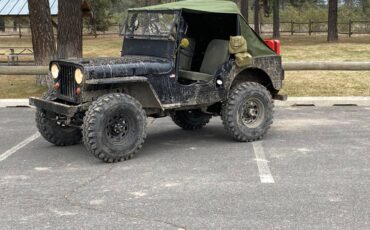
326	83
19	87
102	47
313	83
315	48
93	47
294	48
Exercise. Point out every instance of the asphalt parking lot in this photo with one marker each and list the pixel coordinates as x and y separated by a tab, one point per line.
310	172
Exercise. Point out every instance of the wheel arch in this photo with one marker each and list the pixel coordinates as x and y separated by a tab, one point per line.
143	92
137	87
254	75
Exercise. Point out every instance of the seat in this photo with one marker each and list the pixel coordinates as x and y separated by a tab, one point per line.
186	55
217	53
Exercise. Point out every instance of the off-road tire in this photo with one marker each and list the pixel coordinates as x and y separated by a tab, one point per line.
232	117
54	133
190	119
97	128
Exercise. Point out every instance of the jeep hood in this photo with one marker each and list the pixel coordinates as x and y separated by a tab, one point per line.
122	67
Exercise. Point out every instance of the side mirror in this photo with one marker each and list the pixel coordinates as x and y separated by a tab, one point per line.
184	43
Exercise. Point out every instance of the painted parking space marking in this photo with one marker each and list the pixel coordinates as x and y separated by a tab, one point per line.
262	164
17	147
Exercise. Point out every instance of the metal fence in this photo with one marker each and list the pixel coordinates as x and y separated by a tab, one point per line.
314	27
88	30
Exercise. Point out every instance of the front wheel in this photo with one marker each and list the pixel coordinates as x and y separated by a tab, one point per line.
114	127
248	112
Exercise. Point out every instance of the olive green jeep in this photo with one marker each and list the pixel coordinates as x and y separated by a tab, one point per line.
190	60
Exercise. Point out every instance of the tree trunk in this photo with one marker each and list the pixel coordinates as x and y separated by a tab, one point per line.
333	21
2	24
15	25
42	34
69	29
276	19
243	4
256	16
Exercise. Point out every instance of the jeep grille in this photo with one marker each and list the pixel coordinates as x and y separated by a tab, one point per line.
68	84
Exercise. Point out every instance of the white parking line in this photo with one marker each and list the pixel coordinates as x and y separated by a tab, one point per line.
263	168
9	152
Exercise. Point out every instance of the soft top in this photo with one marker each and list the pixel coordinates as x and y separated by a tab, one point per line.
211	6
256	46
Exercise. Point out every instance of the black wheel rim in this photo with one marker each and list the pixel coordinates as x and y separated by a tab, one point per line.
252	112
117	128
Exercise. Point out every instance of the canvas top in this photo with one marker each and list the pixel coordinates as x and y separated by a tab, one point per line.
210	6
256	46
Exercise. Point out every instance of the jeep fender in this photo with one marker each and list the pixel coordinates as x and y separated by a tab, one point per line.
252	74
137	87
267	71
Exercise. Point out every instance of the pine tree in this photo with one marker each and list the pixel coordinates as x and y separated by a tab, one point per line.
69	29
42	34
257	16
276	19
333	21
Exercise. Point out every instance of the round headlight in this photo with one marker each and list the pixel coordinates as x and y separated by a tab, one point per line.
54	71
79	76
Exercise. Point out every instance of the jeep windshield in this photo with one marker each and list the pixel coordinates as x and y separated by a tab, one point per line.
146	24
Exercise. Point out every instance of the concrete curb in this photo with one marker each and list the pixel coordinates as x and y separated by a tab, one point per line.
292	101
324	101
4	103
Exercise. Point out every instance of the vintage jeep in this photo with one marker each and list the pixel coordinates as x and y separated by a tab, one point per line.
175	62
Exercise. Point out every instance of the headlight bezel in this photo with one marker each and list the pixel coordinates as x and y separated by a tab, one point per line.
79	76
54	70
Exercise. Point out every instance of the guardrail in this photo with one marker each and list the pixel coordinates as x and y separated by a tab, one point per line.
288	66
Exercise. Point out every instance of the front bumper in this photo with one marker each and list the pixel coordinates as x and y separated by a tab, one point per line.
59	108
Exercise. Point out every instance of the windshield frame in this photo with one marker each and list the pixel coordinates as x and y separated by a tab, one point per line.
167	36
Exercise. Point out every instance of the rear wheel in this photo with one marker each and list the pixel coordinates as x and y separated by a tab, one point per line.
190	119
248	112
54	131
114	128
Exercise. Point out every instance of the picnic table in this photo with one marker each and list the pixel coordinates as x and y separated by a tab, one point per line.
15	53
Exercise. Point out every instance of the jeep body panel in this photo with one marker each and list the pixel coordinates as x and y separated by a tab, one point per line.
271	65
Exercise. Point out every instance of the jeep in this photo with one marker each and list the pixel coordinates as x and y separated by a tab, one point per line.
177	60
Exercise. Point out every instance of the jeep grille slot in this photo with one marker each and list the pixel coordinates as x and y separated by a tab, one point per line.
67	81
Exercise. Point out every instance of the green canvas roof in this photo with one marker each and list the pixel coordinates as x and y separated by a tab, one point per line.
256	46
212	6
